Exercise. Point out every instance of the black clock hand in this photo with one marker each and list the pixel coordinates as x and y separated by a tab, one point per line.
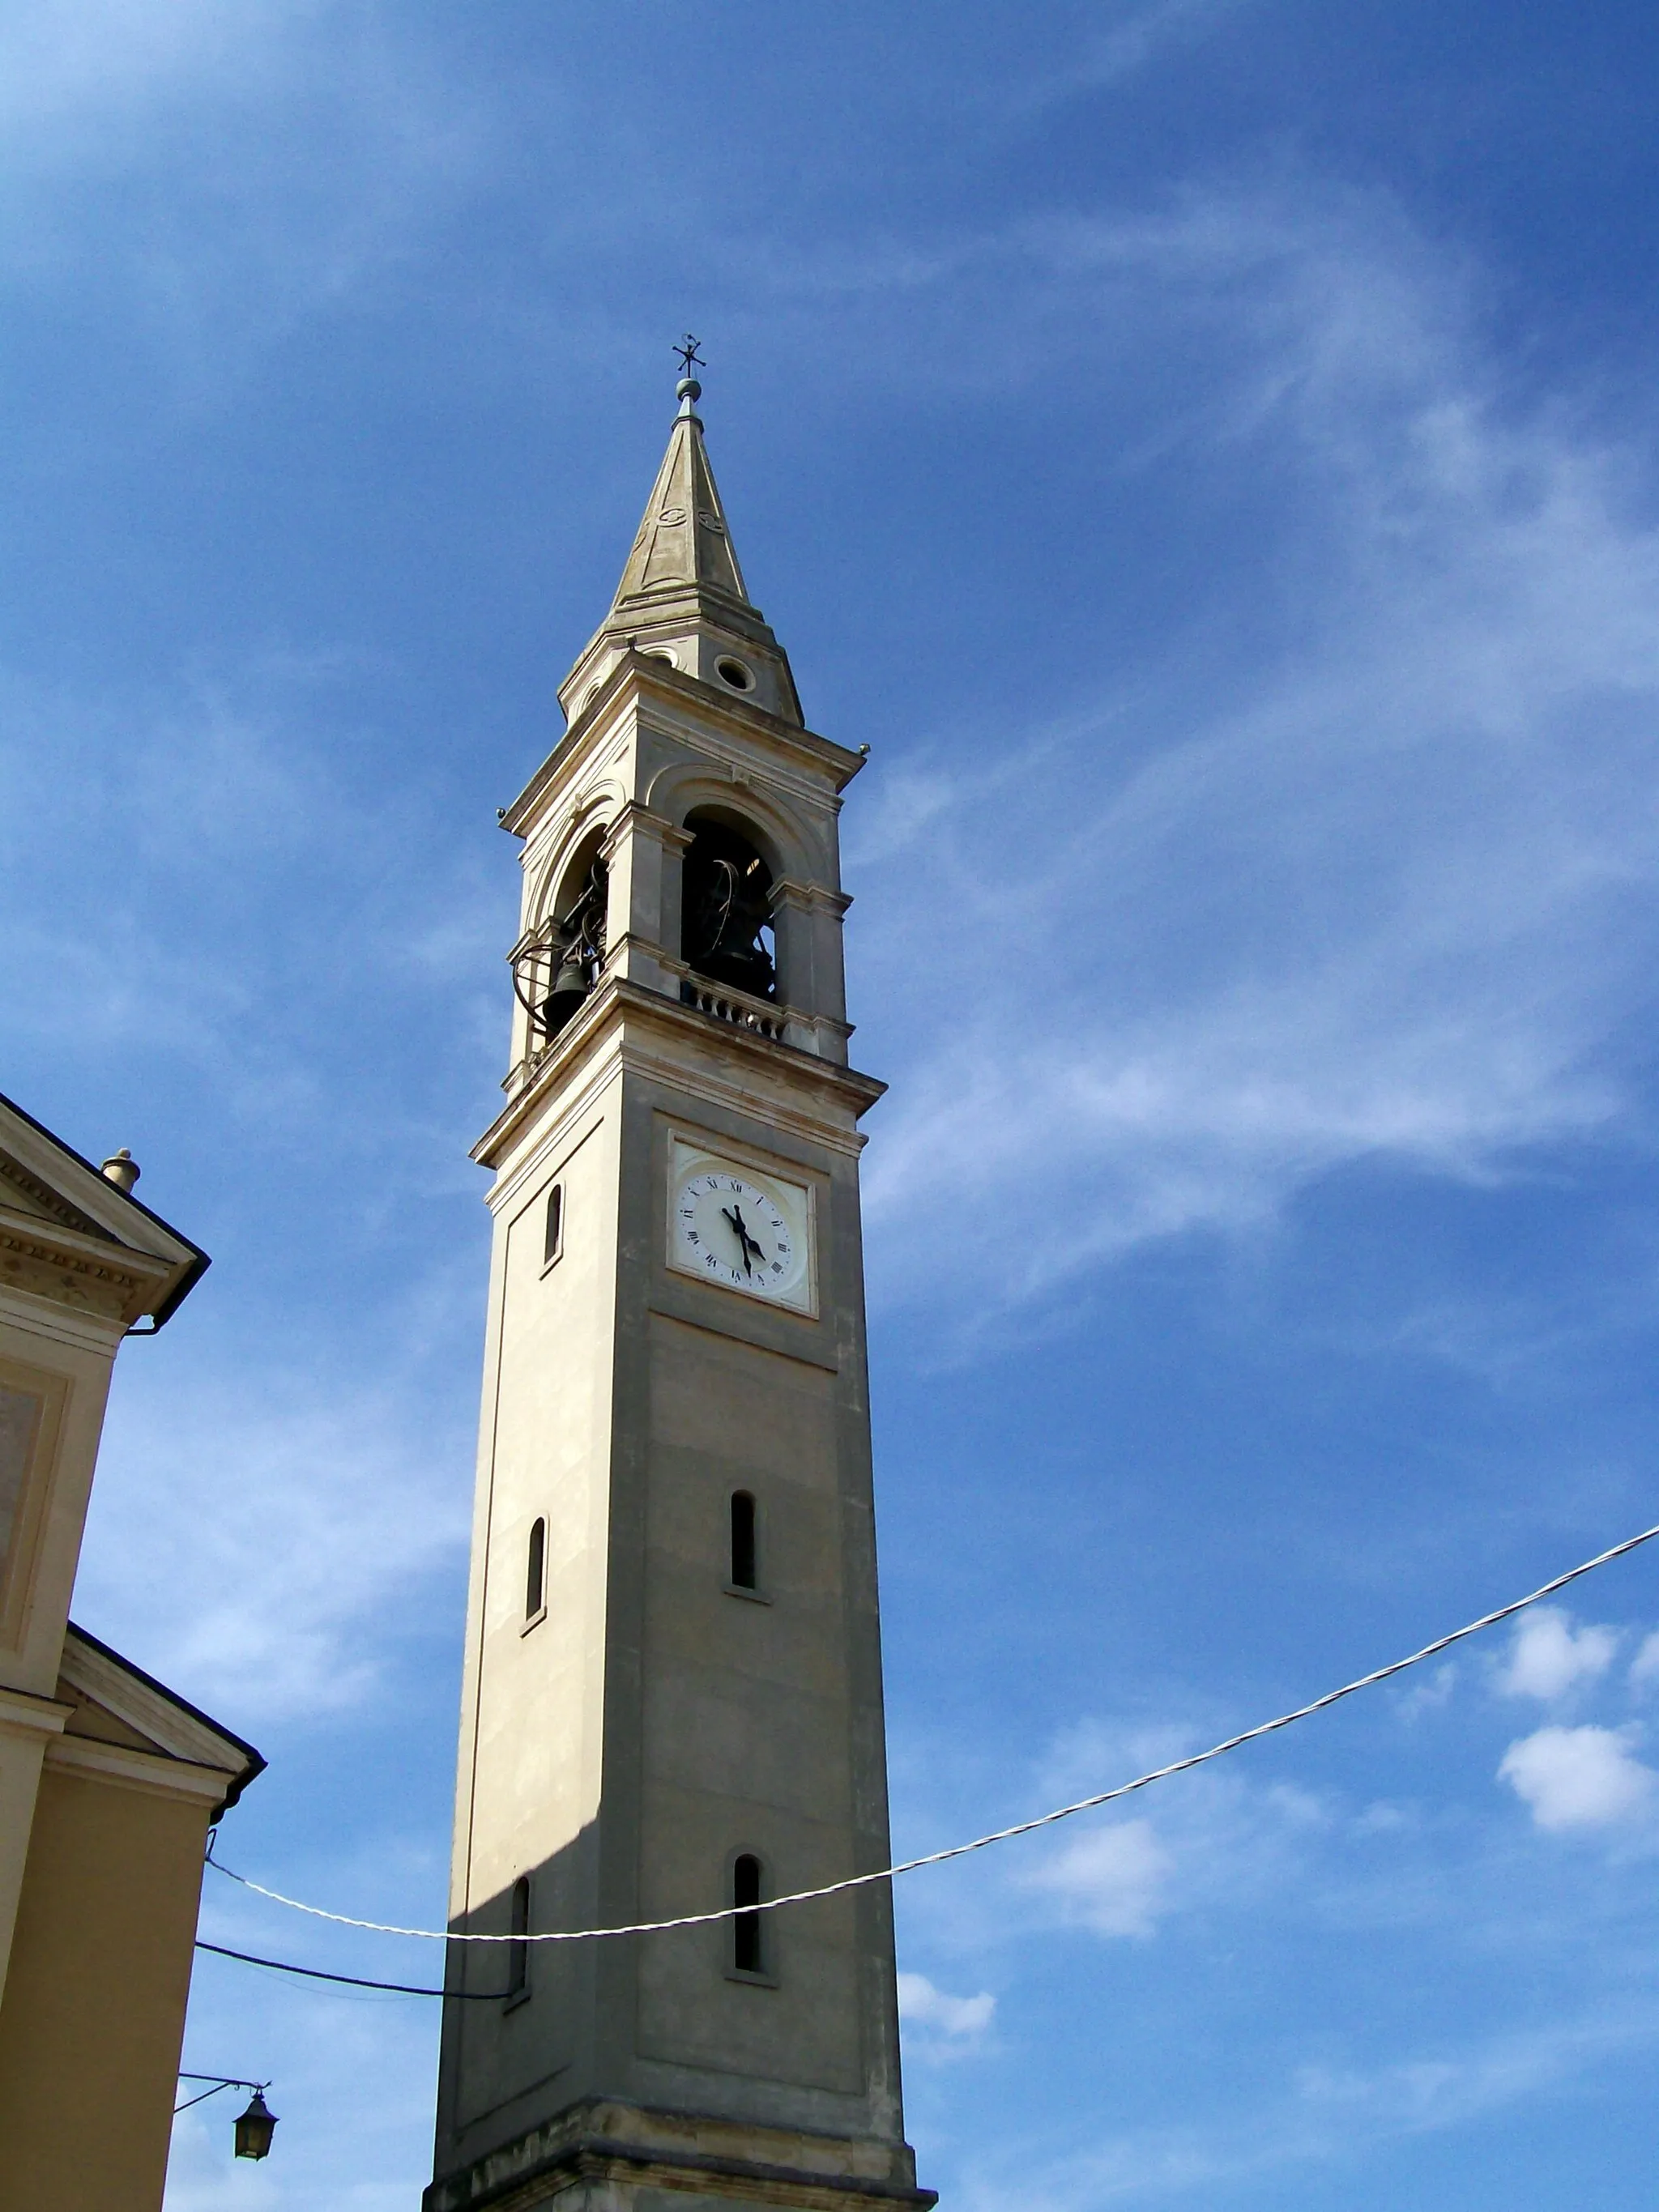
754	1244
736	1219
751	1243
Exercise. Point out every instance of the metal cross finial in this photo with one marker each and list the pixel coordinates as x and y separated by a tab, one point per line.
690	358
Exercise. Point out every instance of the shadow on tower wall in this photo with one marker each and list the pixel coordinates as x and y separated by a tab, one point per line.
800	2057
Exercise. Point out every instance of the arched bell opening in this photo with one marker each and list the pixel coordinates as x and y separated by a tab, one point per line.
725	908
558	963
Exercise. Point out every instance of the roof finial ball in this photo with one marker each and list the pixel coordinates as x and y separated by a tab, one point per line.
688	390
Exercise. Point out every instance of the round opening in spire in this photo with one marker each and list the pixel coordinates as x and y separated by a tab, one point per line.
734	673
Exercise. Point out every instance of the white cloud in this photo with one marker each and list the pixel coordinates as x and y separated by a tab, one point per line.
65	63
1578	1777
261	1556
963	2020
1113	1880
1427	1693
232	172
1138	38
1644	1667
1392	892
1321	2116
1548	1657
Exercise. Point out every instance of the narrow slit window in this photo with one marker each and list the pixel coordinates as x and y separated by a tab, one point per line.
743	1540
747	1951
518	1951
555	1226
535	1578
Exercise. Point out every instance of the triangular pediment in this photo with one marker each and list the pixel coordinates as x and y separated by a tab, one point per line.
114	1702
62	1216
25	1193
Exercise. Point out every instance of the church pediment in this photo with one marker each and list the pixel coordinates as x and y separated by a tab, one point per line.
70	1234
112	1702
24	1193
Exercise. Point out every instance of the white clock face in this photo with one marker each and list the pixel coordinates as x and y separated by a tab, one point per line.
743	1231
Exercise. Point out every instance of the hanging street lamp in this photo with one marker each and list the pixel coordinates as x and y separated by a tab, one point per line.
254	2127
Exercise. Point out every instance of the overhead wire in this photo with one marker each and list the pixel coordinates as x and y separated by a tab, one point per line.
996	1835
356	1981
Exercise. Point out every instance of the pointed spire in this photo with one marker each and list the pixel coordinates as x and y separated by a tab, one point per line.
681	597
683	544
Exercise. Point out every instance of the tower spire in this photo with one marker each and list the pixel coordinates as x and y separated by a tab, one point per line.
681	597
683	544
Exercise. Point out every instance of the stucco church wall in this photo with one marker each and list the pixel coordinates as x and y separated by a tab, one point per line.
95	1993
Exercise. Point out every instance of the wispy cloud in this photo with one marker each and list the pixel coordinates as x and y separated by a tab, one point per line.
260	1546
227	173
1391	896
1112	1880
1130	39
71	65
1324	2115
939	2024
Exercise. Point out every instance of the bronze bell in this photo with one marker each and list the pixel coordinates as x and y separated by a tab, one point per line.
570	989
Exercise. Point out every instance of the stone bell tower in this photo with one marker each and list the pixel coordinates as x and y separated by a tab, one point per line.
673	1693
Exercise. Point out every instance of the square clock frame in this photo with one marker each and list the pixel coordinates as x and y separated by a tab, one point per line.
743	1228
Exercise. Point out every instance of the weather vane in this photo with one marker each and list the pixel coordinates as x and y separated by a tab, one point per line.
690	358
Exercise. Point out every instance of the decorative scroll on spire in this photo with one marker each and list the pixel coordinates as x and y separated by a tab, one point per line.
683	544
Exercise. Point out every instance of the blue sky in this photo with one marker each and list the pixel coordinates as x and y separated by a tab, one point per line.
1207	450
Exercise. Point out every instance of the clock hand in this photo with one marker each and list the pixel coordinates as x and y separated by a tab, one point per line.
751	1243
735	1218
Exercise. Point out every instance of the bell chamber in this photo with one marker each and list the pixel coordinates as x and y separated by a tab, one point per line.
557	964
726	909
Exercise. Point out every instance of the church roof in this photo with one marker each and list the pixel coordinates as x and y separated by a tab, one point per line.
119	1703
101	1233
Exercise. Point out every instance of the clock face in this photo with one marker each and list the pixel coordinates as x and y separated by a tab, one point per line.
744	1230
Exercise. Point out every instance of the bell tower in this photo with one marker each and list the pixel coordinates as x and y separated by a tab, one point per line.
671	1700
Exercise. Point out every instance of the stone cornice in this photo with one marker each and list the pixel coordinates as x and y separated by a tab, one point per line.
815	896
669	1069
602	2161
681	2153
91	1272
152	1772
57	1206
686	697
22	1713
636	1026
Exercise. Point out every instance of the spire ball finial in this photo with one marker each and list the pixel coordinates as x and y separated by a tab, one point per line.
688	388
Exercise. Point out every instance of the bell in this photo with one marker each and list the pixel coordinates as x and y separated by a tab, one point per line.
254	2127
570	989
